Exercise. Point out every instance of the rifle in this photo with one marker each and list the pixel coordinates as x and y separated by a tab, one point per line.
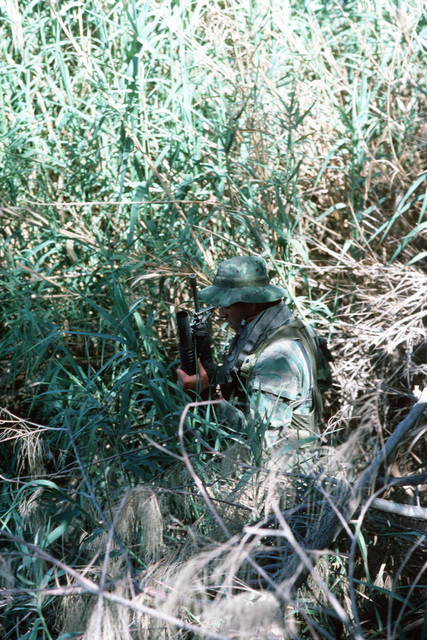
194	338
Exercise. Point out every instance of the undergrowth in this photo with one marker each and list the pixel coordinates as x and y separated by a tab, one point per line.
140	142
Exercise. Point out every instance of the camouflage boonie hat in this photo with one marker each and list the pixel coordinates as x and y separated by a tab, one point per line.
241	279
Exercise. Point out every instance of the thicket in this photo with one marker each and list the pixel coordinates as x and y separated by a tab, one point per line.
140	142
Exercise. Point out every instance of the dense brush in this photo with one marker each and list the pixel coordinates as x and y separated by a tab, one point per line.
143	141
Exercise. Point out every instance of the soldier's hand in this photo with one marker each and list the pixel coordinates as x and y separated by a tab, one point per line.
197	382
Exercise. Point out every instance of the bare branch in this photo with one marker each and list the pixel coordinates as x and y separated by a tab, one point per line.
406	510
88	586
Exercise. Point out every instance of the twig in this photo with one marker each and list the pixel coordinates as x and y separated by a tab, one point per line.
406	510
288	534
92	588
334	517
404	481
100	604
190	467
57	591
391	444
205	494
414	584
395	586
98	508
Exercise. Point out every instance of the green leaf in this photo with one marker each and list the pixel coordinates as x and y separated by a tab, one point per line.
299	249
57	532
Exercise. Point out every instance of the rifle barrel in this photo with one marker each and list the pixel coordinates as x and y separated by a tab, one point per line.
193	283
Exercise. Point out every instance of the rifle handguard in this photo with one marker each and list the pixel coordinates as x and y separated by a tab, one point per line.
186	349
202	345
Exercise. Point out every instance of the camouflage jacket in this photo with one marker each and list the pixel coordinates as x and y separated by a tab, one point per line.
267	378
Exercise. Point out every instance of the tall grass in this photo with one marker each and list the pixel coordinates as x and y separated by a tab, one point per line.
140	141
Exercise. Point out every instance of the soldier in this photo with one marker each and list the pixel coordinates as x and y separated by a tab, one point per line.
269	374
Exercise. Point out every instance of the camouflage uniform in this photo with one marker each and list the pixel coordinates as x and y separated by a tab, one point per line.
268	372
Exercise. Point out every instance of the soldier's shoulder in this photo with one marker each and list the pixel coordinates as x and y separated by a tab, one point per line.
282	350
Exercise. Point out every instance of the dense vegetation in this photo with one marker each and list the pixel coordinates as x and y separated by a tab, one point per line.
142	141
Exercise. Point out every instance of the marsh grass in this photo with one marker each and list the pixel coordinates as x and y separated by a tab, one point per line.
140	142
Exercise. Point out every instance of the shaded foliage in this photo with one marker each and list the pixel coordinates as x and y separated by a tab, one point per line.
142	141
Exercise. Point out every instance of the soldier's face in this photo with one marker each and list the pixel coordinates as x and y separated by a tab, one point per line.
235	313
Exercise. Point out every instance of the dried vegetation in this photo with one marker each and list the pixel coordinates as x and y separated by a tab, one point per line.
140	143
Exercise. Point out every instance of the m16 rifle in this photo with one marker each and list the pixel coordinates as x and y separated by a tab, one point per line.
194	338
